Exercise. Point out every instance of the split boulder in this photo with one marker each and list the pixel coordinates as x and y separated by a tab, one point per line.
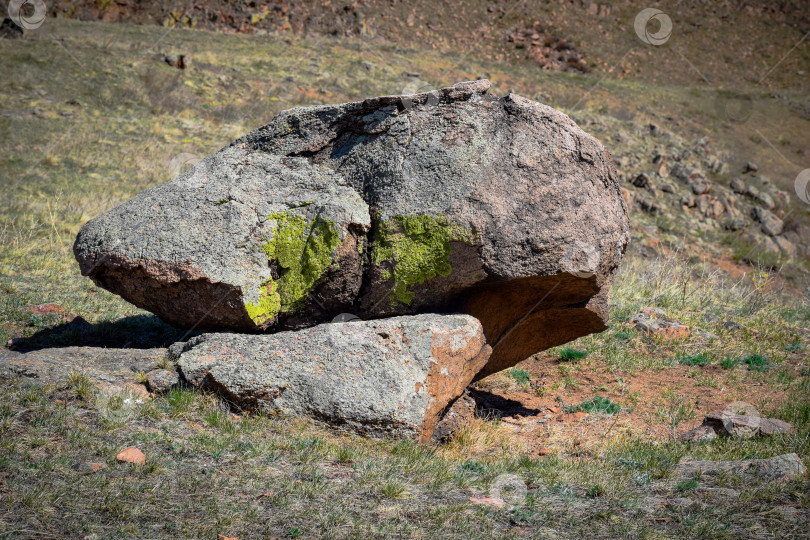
446	201
389	377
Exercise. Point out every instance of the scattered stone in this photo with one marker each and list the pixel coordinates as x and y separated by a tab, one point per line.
654	321
738	186
463	186
384	377
734	224
785	246
741	420
766	200
732	326
162	380
776	469
89	467
750	167
642	180
699	434
705	335
771	225
491	502
667	188
710	318
131	455
178	61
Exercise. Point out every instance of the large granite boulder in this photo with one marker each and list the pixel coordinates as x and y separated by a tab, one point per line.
447	201
392	377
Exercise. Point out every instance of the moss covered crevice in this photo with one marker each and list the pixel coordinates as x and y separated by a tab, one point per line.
418	247
302	250
268	304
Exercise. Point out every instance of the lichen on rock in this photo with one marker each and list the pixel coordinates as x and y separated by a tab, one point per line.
268	304
418	247
303	250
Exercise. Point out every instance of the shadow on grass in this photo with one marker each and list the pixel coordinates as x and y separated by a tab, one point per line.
136	332
493	406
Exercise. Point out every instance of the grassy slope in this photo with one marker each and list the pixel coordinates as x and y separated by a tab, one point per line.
62	164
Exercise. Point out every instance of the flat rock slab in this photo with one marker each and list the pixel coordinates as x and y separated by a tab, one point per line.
389	377
446	201
779	468
745	426
112	370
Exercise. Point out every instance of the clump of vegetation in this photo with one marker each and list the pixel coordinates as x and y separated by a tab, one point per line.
674	409
596	404
757	362
702	359
729	362
572	355
521	376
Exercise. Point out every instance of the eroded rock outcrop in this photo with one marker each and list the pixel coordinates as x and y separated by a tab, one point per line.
447	201
392	377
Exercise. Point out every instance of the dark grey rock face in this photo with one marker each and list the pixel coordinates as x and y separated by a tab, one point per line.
444	201
392	377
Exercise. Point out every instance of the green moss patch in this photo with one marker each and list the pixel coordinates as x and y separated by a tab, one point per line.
303	251
268	304
419	248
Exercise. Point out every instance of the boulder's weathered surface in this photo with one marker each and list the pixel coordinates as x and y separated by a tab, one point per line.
450	200
391	377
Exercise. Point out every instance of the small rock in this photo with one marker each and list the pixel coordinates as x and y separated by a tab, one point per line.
89	467
766	200
710	318
178	61
667	188
734	224
131	455
732	326
161	380
705	335
641	180
774	426
785	246
737	186
750	167
699	434
492	502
